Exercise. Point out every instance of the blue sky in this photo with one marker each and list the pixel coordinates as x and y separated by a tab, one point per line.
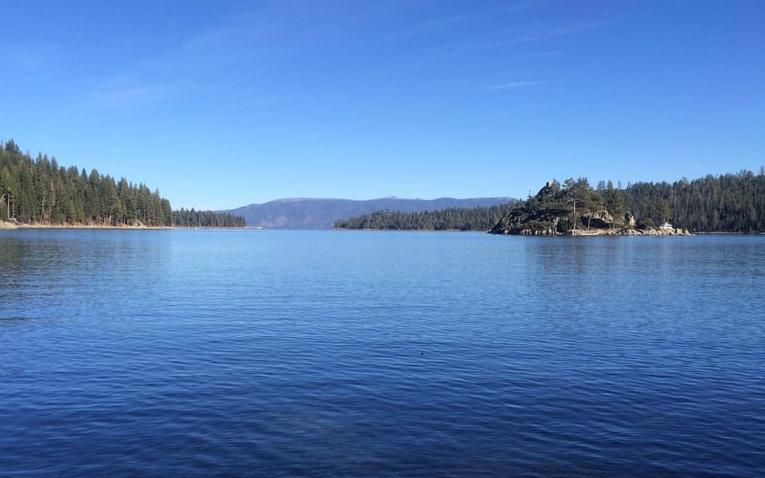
221	104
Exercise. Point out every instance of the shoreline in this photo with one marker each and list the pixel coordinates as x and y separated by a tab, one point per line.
5	225
579	234
12	226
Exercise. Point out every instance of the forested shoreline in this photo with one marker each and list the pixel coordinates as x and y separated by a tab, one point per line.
39	191
725	203
452	219
193	218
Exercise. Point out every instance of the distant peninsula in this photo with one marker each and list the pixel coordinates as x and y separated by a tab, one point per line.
40	193
451	219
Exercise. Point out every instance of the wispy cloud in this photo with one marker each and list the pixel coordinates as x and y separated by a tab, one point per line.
437	24
510	85
536	56
30	62
30	58
121	94
517	37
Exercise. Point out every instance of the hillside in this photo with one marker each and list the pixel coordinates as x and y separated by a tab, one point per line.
40	192
306	213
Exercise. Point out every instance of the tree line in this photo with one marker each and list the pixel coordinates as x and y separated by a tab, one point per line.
40	191
193	218
462	219
725	203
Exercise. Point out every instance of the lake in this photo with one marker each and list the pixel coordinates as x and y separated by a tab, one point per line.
323	353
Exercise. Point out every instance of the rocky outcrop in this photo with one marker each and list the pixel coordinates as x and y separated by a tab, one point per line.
629	220
550	230
598	220
658	231
516	222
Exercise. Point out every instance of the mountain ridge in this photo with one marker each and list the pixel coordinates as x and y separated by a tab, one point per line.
321	213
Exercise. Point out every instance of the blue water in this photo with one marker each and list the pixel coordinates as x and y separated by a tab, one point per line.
266	353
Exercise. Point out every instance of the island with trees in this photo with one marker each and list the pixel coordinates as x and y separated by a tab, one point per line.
40	192
577	209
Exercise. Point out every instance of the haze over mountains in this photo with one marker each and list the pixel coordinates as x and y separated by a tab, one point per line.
313	213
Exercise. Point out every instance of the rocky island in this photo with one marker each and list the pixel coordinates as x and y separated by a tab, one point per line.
574	208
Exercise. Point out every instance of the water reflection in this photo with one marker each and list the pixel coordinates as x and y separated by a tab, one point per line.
43	268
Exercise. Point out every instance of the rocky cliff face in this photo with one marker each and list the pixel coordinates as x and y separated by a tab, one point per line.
518	222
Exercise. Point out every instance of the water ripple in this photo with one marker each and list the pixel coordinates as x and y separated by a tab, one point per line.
190	353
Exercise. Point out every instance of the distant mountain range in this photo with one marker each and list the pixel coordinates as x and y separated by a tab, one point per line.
310	213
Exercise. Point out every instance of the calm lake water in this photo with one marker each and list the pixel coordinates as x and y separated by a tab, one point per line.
282	353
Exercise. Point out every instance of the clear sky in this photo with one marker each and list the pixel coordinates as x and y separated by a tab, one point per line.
226	103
